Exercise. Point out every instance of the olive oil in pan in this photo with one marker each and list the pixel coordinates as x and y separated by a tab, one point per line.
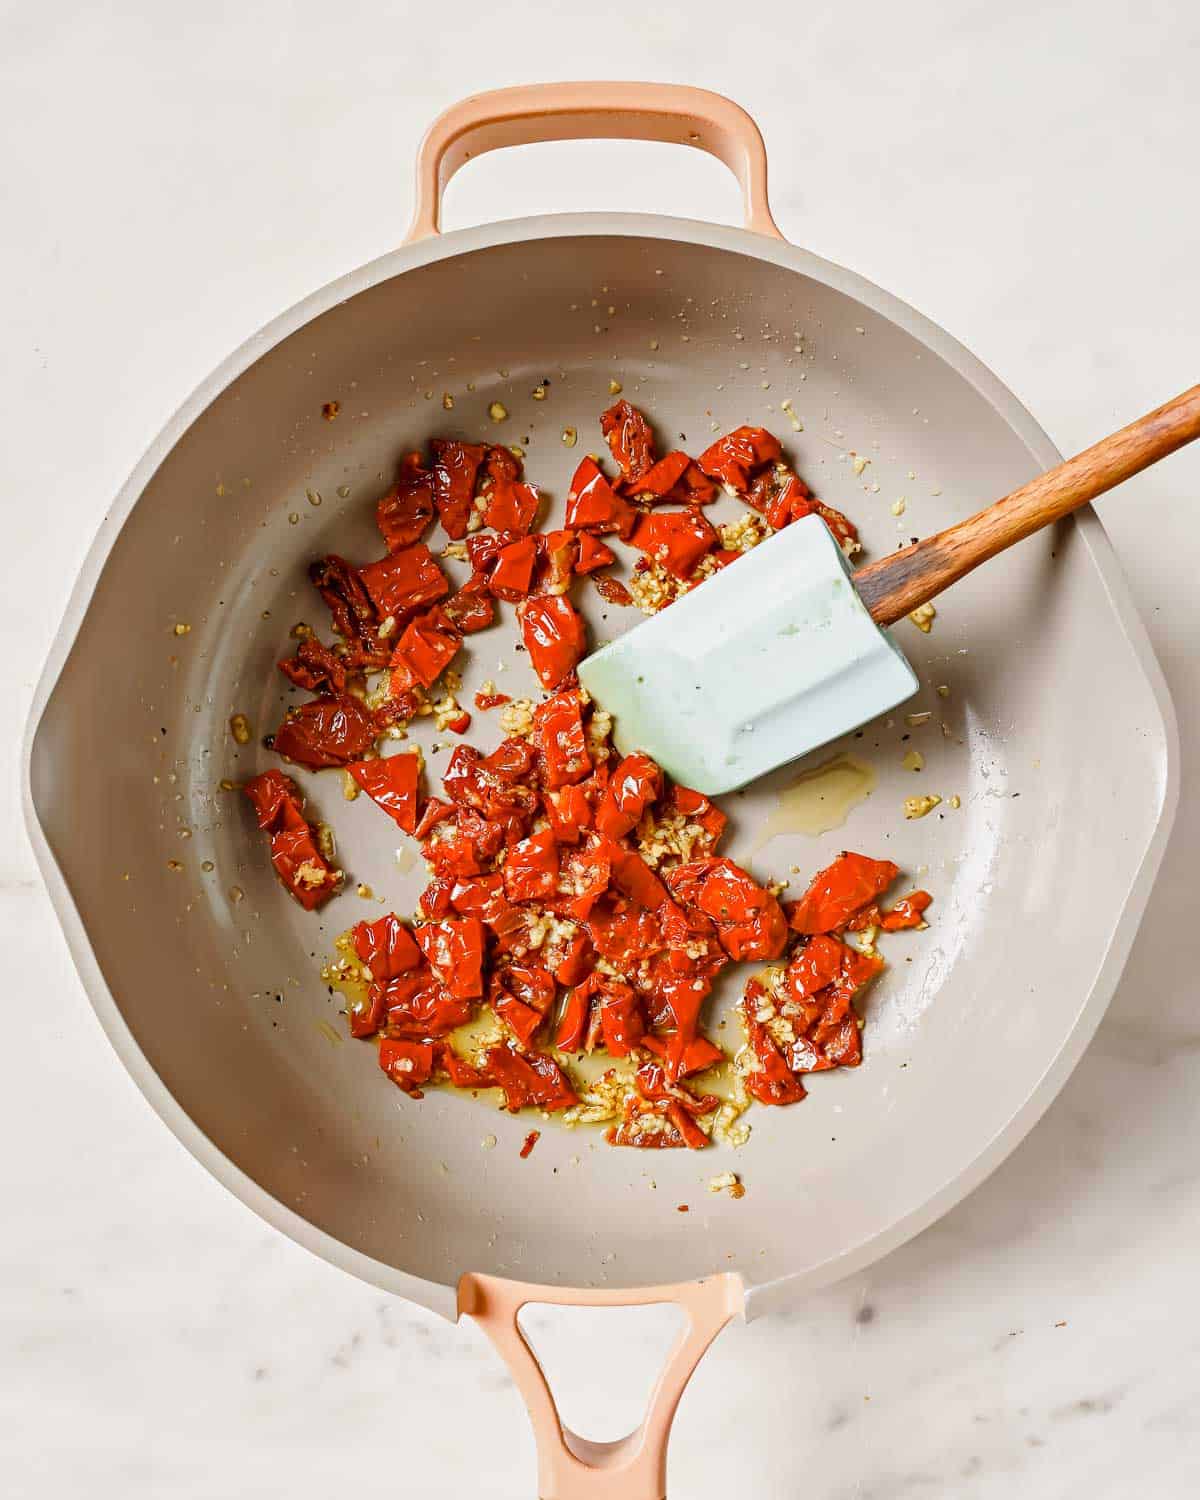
818	800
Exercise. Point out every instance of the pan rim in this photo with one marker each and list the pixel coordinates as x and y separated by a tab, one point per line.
440	1297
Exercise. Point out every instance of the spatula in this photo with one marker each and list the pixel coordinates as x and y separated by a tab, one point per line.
785	649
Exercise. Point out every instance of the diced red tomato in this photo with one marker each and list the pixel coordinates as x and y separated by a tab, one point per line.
326	732
427	647
392	784
838	891
297	859
554	636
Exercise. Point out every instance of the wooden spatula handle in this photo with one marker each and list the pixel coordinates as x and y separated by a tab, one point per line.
895	585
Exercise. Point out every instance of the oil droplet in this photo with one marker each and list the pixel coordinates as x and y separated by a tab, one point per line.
313	497
818	799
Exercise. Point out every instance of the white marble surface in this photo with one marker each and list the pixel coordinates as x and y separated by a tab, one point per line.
174	175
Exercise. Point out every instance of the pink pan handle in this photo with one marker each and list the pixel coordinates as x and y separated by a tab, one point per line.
586	111
571	1467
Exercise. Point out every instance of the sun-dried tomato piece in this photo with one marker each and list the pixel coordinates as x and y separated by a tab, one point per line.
560	740
405	582
499	464
559	551
405	513
770	1081
622	934
386	947
733	459
573	1023
433	812
521	995
621	1019
697	1057
635	880
298	861
593	504
813	966
491	784
632	787
511	506
511	575
612	590
418	1005
315	668
352	611
531	869
569	810
576	959
453	949
407	1064
530	1079
749	920
392	784
426	648
838	891
677	539
455	465
659	480
629	440
472	608
704	822
592	553
554	636
326	732
909	911
694	486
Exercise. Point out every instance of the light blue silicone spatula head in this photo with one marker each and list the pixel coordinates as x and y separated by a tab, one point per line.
780	652
768	659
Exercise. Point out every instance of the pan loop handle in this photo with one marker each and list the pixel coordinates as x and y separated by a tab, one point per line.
590	111
571	1467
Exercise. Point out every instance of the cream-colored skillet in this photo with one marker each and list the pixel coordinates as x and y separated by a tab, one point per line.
1058	741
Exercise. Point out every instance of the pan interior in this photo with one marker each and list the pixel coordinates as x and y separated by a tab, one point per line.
1051	739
